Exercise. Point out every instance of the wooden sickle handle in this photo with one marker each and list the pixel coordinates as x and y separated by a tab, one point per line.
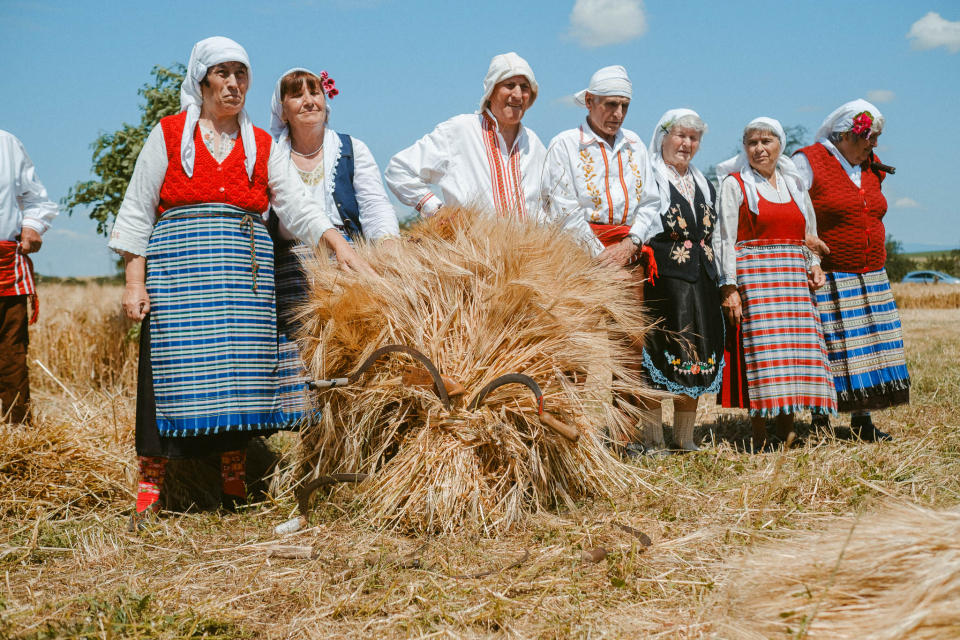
561	428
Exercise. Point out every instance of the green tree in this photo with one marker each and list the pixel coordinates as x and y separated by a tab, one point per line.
948	263
115	154
898	264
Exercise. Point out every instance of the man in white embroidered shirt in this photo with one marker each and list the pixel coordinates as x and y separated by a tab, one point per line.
25	213
486	159
597	180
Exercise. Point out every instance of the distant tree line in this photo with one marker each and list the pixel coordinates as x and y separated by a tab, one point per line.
900	264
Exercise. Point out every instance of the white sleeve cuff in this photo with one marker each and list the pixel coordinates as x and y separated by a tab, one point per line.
428	205
36	225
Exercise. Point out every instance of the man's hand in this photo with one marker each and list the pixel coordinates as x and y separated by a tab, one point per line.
816	278
618	255
817	246
349	260
731	305
136	302
30	241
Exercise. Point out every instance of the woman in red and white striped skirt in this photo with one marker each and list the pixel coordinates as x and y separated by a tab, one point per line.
776	362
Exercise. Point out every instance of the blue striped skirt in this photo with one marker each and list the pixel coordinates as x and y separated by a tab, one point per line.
213	322
293	288
864	339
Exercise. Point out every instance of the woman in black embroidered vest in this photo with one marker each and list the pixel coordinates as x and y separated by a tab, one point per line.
340	173
682	353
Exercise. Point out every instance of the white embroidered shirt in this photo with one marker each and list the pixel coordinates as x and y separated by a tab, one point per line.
586	180
467	158
23	200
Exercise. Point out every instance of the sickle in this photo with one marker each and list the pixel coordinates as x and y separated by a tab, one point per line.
558	426
303	499
438	385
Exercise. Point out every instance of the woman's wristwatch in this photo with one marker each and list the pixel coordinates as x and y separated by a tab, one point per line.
635	239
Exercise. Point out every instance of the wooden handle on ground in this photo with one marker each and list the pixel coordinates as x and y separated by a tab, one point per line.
561	428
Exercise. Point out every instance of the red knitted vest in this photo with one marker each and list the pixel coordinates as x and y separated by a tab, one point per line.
211	182
849	220
775	221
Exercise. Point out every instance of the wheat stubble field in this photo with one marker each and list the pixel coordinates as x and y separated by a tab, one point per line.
822	541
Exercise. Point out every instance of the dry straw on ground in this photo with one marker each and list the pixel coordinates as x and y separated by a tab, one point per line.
481	297
926	296
888	576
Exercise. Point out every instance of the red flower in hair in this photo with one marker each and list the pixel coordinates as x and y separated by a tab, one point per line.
328	85
863	124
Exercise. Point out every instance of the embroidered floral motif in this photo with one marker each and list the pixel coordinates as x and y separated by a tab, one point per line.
692	367
589	175
636	176
227	143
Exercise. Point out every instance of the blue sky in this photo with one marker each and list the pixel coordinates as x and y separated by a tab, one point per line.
72	69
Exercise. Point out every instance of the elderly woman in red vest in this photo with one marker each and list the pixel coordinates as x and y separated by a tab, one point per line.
860	319
776	363
199	271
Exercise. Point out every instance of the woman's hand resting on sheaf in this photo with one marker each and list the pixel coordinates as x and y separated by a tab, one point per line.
348	259
731	305
816	278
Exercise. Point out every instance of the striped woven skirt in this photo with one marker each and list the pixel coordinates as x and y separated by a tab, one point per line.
783	349
293	288
213	331
864	339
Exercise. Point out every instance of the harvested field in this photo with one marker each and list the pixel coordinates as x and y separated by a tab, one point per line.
69	569
926	296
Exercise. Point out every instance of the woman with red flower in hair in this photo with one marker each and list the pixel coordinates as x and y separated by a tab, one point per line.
339	172
860	320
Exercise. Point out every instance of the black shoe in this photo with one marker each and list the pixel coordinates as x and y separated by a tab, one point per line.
862	428
820	422
233	503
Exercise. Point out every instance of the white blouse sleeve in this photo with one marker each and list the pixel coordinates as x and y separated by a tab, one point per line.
804	169
647	222
728	221
410	171
559	197
38	210
378	218
300	213
138	212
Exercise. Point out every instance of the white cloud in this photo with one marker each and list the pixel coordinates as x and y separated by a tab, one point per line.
906	203
597	23
881	95
932	31
67	233
566	101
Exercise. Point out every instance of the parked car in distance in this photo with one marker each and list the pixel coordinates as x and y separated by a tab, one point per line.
930	277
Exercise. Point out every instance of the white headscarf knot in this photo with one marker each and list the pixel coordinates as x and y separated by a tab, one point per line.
660	167
503	66
206	54
842	119
751	179
609	81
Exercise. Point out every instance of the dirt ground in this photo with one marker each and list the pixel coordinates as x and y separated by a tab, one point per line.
70	569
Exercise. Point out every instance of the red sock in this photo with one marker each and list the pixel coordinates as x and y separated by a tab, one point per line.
233	470
151	480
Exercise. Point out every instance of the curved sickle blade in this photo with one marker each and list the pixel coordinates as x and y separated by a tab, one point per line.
438	386
561	428
303	499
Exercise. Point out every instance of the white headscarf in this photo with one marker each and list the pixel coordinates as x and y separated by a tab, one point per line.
751	179
609	81
206	54
503	66
279	129
660	167
842	119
